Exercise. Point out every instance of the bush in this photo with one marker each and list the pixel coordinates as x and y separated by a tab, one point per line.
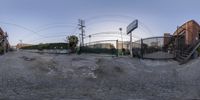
73	41
1	50
40	47
112	51
47	46
198	50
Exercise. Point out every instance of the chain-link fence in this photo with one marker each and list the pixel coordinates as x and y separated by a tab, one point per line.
148	48
100	47
137	49
123	48
154	48
113	47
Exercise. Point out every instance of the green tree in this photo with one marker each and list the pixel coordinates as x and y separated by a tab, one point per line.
73	41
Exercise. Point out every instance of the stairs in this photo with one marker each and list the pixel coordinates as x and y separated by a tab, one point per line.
184	56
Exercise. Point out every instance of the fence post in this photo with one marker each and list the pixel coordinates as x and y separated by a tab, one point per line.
117	52
141	52
79	49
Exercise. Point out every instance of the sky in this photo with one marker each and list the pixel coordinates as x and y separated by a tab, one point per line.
44	21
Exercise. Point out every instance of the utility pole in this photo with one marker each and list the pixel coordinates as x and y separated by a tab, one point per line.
82	26
20	44
20	41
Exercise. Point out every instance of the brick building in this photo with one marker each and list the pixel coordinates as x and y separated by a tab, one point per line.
189	32
4	44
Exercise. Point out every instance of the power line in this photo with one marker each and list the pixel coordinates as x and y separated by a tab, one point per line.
50	27
55	24
48	37
109	16
37	31
142	25
19	26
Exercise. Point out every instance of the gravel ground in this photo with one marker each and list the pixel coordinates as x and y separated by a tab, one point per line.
34	76
158	55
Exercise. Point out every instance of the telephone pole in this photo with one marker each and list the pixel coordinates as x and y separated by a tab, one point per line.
82	26
20	41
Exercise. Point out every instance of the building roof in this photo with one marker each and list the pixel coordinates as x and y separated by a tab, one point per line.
183	27
1	31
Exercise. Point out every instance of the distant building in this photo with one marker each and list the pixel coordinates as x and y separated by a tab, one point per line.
125	45
102	45
154	44
20	45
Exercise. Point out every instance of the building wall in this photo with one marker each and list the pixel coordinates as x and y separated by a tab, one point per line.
192	32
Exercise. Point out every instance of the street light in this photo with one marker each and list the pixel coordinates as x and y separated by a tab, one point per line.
120	29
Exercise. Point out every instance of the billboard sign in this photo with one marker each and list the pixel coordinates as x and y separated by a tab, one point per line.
132	26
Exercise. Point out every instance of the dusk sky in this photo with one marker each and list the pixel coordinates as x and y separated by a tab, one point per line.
41	21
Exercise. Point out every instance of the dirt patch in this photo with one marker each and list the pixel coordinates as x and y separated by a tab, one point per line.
106	69
78	59
27	58
43	65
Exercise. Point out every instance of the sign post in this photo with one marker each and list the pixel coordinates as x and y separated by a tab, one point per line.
131	27
131	45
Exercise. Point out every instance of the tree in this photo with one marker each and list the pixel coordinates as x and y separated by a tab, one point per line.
73	41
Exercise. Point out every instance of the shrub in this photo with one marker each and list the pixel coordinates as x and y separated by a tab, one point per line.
1	50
